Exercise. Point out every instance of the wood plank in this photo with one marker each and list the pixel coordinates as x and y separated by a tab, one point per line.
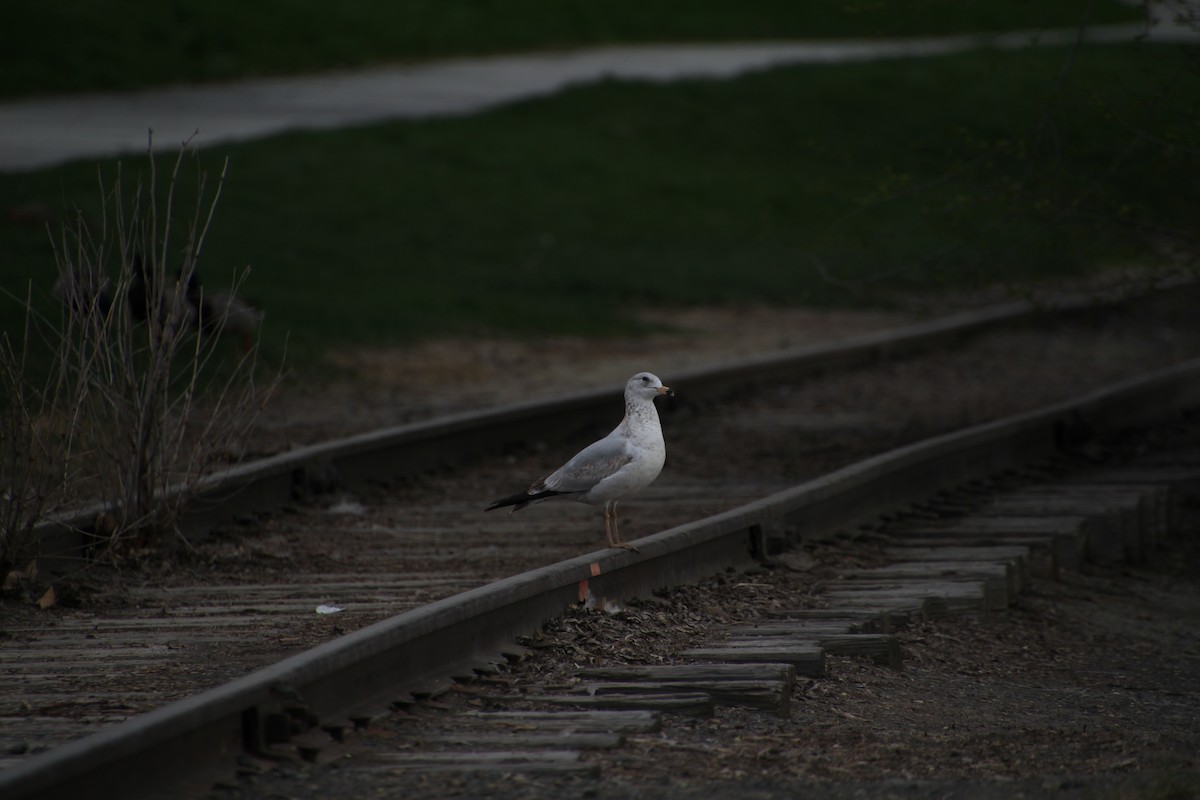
684	672
808	660
83	697
1056	499
539	761
1038	524
630	721
861	620
67	664
770	695
1105	534
1134	510
1156	509
692	704
937	599
1018	557
882	648
1069	548
1041	561
571	740
1161	495
353	589
1000	578
119	625
812	629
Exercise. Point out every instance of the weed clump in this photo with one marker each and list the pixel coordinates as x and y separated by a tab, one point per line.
134	395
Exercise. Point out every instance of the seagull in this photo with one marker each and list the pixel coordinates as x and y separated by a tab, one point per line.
626	461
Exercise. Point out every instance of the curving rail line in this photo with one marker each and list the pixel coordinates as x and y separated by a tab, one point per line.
348	680
413	449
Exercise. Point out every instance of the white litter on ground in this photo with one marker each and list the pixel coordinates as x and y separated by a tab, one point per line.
347	506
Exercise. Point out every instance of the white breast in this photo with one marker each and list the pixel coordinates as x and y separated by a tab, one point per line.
643	438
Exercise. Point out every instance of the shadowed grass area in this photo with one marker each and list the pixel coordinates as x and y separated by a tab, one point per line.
79	45
815	185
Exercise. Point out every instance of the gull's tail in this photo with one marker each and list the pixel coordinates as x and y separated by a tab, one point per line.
522	499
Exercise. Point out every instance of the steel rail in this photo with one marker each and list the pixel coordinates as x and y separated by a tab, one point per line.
407	450
363	672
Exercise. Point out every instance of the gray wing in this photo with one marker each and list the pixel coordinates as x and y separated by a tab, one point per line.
590	465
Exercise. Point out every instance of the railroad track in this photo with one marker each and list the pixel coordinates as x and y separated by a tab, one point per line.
344	682
971	551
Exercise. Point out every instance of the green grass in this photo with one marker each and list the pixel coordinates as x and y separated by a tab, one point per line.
568	214
78	45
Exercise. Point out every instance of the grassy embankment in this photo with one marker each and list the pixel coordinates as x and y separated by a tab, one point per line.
806	185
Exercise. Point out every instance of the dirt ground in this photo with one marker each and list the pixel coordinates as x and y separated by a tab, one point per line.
395	385
384	386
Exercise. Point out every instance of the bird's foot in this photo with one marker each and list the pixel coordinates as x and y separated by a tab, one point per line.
624	546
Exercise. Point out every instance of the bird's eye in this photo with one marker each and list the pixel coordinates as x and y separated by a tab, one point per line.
645	379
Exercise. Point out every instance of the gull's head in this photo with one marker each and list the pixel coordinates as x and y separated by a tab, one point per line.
646	385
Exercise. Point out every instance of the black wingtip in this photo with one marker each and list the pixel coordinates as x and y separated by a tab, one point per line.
518	500
522	499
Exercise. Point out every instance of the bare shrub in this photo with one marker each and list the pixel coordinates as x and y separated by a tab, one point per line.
147	396
34	453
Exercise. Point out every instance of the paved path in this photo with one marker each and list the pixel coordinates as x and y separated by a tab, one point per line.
42	132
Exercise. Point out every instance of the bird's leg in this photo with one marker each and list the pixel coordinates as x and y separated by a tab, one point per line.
615	540
609	524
